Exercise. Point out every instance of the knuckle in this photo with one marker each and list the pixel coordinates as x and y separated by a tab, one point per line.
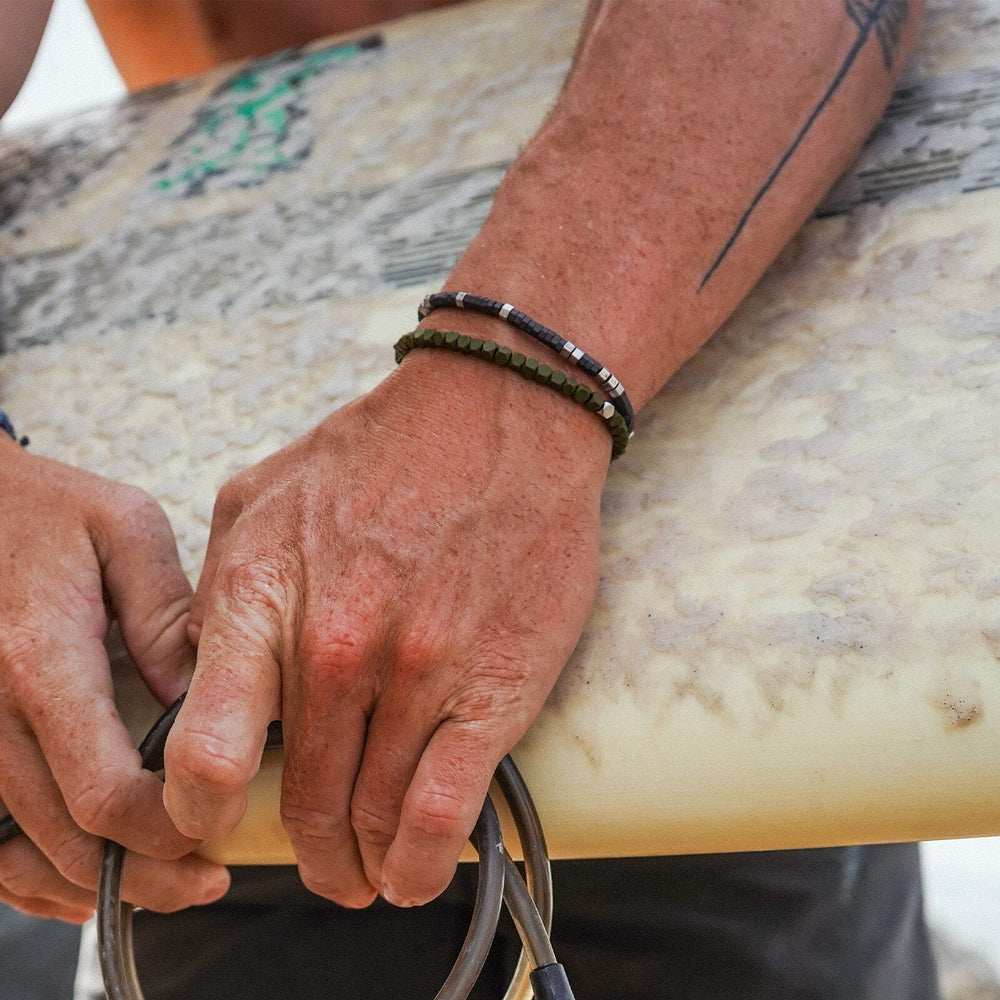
136	508
439	813
231	498
76	859
312	826
21	656
19	878
421	651
160	631
228	504
497	686
206	762
370	825
337	647
98	806
259	584
503	667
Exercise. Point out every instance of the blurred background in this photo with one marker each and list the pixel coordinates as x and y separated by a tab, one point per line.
73	71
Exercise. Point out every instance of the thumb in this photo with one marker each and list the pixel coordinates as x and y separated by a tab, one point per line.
148	590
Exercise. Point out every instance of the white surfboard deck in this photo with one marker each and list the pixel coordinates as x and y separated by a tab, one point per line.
797	637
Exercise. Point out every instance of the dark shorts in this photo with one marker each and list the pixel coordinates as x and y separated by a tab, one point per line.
836	924
37	957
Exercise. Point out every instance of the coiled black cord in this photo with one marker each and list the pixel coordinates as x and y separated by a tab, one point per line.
529	900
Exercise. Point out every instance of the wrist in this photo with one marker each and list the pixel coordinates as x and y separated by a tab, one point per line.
465	401
616	417
610	398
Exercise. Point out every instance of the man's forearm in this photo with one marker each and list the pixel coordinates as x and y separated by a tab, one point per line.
691	140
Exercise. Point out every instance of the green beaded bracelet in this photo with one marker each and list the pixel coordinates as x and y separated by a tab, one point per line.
528	368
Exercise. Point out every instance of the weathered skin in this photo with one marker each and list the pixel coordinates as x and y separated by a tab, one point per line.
379	583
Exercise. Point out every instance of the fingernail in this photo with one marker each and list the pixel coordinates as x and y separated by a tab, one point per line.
391	896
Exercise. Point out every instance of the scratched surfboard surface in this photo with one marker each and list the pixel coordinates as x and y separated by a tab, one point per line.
797	636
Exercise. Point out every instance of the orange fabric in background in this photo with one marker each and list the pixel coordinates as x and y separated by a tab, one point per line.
155	41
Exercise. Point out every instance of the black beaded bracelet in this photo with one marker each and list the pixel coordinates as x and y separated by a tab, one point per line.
528	368
566	348
8	428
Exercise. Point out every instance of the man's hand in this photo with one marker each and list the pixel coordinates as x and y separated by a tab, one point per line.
77	549
401	587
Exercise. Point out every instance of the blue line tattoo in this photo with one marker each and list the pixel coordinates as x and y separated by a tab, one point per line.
885	18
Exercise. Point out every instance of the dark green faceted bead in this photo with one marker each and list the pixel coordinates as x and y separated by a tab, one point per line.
529	368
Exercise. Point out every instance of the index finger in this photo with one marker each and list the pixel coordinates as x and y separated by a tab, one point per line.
215	746
69	708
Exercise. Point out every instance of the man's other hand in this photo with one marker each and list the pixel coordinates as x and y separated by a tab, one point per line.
77	550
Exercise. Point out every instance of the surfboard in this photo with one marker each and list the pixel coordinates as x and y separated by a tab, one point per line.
797	635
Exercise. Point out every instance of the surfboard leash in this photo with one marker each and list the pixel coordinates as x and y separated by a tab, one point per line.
528	898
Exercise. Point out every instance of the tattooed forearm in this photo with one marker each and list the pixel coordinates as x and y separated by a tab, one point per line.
887	20
884	18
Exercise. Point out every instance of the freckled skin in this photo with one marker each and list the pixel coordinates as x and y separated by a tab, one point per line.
403	584
393	641
586	177
68	771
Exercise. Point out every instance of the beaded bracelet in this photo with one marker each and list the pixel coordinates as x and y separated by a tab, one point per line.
528	368
551	339
8	428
